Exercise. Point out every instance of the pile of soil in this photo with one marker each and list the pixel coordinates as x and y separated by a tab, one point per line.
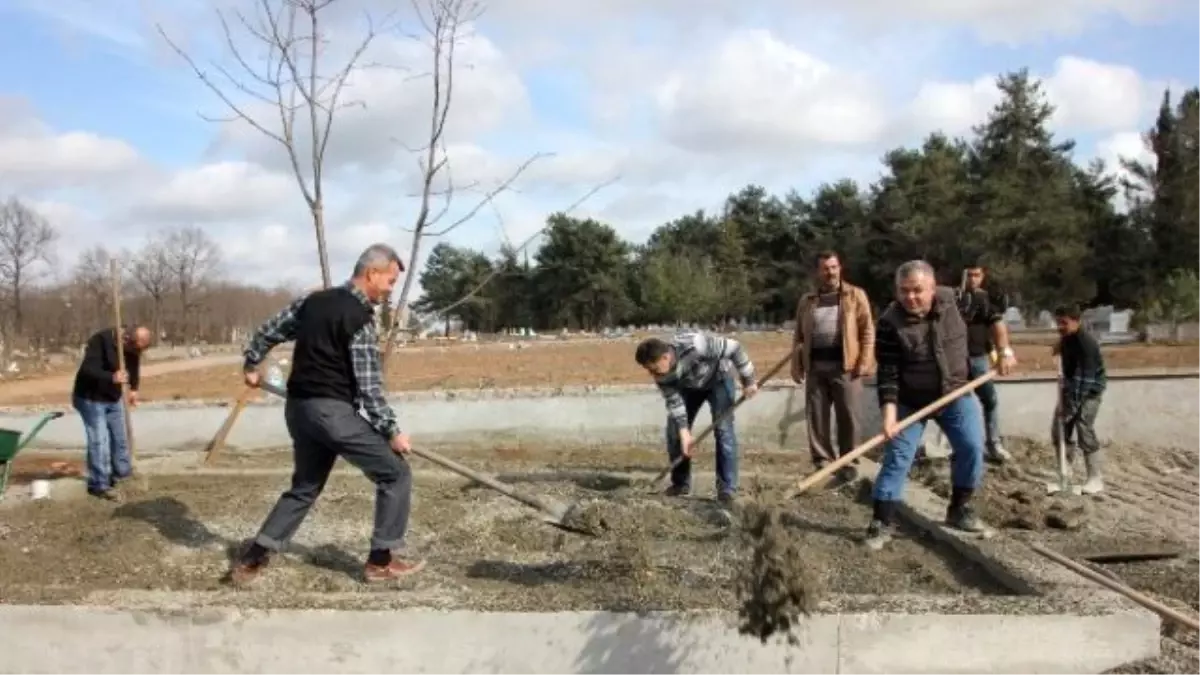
484	551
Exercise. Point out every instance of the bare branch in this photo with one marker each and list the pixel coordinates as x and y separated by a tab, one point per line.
524	244
288	85
491	194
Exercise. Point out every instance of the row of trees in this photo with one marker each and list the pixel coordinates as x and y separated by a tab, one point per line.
172	283
1010	196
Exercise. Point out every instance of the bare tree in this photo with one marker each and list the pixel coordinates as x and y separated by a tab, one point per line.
192	258
92	278
444	25
290	80
151	272
26	238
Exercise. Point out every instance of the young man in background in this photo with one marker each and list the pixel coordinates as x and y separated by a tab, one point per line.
986	331
1084	381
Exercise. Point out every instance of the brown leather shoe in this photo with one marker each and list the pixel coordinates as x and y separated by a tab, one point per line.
396	569
244	573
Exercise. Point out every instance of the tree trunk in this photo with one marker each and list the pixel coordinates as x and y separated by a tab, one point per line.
318	216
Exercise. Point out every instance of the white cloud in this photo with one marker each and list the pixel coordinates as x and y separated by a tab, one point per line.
34	157
217	192
701	98
758	94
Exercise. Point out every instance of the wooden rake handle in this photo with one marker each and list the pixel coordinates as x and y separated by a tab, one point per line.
218	441
1141	599
878	439
723	416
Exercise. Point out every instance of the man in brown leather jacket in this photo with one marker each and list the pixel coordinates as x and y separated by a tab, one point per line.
836	336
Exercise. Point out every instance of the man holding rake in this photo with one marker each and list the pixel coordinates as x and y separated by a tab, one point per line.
921	352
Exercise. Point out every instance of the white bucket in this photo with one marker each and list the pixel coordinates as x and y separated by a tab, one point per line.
39	489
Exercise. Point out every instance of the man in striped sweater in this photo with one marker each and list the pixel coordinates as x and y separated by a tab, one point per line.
690	370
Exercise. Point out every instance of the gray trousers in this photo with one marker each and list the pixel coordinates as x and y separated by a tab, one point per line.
322	430
1081	428
828	386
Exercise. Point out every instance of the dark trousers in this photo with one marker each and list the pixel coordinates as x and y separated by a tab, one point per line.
322	430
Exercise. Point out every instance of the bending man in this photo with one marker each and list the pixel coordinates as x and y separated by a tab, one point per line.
336	371
921	351
691	370
836	339
97	398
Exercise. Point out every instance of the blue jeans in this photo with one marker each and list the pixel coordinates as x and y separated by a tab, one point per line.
107	447
988	398
962	422
720	398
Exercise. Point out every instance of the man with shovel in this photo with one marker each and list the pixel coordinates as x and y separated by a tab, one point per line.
921	352
335	372
1084	381
691	370
835	334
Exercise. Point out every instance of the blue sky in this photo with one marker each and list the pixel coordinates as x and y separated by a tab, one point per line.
684	102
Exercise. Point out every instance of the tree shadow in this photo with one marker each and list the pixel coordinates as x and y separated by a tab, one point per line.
174	522
633	643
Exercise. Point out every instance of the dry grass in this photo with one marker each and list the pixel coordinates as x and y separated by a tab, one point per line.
541	364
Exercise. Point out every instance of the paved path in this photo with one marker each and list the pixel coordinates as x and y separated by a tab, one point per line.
49	385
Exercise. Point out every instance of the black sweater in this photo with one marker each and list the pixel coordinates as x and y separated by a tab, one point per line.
93	380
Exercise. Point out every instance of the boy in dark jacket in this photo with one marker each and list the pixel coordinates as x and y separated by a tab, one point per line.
1084	382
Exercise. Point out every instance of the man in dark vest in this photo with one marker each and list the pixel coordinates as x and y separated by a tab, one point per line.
335	373
921	355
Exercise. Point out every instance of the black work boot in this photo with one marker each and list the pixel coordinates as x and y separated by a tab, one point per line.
960	515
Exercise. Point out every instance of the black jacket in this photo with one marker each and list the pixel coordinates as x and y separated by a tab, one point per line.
93	380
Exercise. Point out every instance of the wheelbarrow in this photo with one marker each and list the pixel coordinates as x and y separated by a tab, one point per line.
11	443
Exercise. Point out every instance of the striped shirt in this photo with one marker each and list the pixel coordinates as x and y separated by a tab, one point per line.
701	359
364	359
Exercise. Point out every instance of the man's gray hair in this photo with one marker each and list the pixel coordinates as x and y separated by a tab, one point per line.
377	257
913	268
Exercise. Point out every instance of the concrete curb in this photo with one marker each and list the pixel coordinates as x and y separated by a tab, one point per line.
312	641
635	415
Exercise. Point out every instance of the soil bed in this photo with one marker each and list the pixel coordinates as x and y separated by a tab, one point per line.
521	462
483	550
1151	502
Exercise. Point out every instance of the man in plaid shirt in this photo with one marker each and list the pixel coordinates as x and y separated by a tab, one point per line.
335	374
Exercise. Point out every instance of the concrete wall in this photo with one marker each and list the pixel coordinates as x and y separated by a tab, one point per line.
93	639
1160	410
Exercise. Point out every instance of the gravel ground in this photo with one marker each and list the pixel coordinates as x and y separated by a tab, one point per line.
1151	503
484	551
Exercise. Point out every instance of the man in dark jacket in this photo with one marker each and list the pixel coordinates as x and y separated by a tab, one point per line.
97	398
921	355
335	373
986	332
1084	383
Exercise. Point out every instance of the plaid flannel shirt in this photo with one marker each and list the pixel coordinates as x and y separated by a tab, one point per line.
364	359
